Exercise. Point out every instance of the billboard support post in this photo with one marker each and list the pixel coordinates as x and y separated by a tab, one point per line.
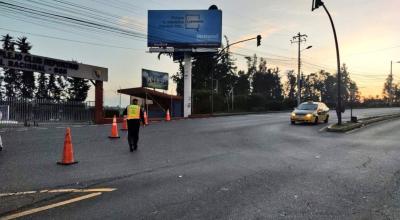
187	91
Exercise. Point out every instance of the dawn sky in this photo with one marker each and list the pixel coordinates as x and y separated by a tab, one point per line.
368	32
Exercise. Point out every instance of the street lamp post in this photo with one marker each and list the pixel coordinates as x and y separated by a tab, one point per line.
316	4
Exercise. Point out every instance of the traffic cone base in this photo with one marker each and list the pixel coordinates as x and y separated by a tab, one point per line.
68	151
66	164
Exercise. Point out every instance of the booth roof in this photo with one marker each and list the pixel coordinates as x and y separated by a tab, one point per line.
141	93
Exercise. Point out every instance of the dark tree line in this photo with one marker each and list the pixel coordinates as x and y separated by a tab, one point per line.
30	85
258	88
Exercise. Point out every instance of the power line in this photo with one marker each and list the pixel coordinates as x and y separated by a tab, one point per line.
81	22
70	40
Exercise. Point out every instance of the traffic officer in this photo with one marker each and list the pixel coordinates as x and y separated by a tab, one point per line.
134	116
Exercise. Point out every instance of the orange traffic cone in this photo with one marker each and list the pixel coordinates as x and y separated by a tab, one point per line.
146	120
124	124
68	153
114	129
168	117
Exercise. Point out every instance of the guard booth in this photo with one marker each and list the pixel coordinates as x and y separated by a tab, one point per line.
156	103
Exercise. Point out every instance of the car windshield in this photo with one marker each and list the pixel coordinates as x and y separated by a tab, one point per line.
307	106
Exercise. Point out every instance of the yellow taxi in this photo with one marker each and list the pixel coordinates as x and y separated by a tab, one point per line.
310	112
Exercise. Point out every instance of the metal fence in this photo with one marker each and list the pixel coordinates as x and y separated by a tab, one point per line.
34	112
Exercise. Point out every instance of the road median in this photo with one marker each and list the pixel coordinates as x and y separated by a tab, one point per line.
349	126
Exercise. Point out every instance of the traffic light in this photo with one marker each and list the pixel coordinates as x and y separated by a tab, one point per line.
258	40
316	4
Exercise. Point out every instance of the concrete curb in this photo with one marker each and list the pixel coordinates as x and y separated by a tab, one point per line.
363	122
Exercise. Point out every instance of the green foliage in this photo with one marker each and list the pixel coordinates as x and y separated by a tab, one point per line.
178	79
12	78
42	90
78	89
242	86
28	85
291	85
267	82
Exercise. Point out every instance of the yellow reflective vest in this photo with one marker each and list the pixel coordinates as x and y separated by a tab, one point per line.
133	112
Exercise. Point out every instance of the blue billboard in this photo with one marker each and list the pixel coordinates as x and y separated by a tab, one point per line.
184	28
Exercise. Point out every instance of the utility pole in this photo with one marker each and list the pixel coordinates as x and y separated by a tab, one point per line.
299	38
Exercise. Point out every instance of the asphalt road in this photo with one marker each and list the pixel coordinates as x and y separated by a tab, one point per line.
237	167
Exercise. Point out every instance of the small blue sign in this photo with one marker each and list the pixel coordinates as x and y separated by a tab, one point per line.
184	28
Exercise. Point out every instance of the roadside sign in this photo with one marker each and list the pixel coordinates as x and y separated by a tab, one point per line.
154	79
30	62
184	28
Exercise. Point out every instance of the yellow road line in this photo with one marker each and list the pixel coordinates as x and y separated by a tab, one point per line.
59	191
43	208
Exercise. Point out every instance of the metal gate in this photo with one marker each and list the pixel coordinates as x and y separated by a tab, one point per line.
33	112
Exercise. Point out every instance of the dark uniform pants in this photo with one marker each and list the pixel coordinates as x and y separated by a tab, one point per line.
133	132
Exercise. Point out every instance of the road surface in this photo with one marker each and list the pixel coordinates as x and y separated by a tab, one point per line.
237	167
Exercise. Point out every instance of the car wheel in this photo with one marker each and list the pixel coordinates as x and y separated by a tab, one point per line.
326	119
316	121
292	122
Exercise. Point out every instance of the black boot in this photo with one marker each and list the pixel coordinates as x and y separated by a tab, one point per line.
135	147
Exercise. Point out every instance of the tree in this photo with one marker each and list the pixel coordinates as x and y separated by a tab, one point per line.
178	79
312	87
225	71
12	78
28	86
242	86
62	86
42	90
388	88
52	87
396	93
78	89
267	82
328	88
291	85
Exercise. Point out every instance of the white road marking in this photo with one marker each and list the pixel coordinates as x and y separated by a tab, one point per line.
43	208
59	191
